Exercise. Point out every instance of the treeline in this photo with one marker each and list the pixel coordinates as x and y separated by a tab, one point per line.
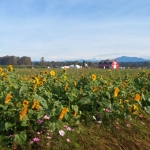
26	61
13	60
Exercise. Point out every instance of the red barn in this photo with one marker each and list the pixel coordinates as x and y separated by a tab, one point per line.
108	64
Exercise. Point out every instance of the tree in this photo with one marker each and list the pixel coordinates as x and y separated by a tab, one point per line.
42	62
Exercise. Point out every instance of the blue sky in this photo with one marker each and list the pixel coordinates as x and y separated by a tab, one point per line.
75	29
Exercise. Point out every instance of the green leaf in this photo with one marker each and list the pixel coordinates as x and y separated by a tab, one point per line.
75	108
85	100
23	89
42	101
25	121
143	97
20	138
8	125
40	115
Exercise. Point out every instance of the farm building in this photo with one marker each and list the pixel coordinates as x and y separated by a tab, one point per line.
108	64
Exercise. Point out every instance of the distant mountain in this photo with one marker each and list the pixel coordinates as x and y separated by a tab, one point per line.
130	59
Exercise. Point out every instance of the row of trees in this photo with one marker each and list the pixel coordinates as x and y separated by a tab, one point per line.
13	60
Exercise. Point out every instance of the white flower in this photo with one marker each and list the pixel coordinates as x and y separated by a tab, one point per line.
61	132
94	117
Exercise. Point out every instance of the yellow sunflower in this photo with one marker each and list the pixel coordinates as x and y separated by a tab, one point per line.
52	73
93	76
8	97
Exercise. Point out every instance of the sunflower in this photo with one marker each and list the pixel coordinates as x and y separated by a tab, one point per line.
93	76
3	74
137	97
52	73
23	112
36	105
10	68
45	72
63	112
95	88
116	91
66	87
25	103
1	69
75	114
7	98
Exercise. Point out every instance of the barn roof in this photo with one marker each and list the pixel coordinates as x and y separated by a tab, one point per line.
107	61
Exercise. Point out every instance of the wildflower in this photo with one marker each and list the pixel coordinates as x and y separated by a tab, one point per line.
68	140
128	125
142	122
8	97
116	90
48	137
48	144
117	128
23	113
39	121
31	142
52	73
11	135
93	76
67	128
46	117
10	68
25	103
36	139
94	117
107	110
61	132
38	133
137	97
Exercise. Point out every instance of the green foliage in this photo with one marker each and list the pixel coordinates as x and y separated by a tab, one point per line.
49	99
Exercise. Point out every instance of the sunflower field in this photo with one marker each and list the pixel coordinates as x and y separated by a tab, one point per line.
50	99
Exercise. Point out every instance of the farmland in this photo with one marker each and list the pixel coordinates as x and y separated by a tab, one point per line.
74	108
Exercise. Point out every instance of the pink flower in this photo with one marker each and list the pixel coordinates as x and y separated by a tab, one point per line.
142	122
48	137
128	125
39	121
38	133
68	128
68	140
61	132
46	117
48	144
31	142
11	135
36	139
117	128
107	110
